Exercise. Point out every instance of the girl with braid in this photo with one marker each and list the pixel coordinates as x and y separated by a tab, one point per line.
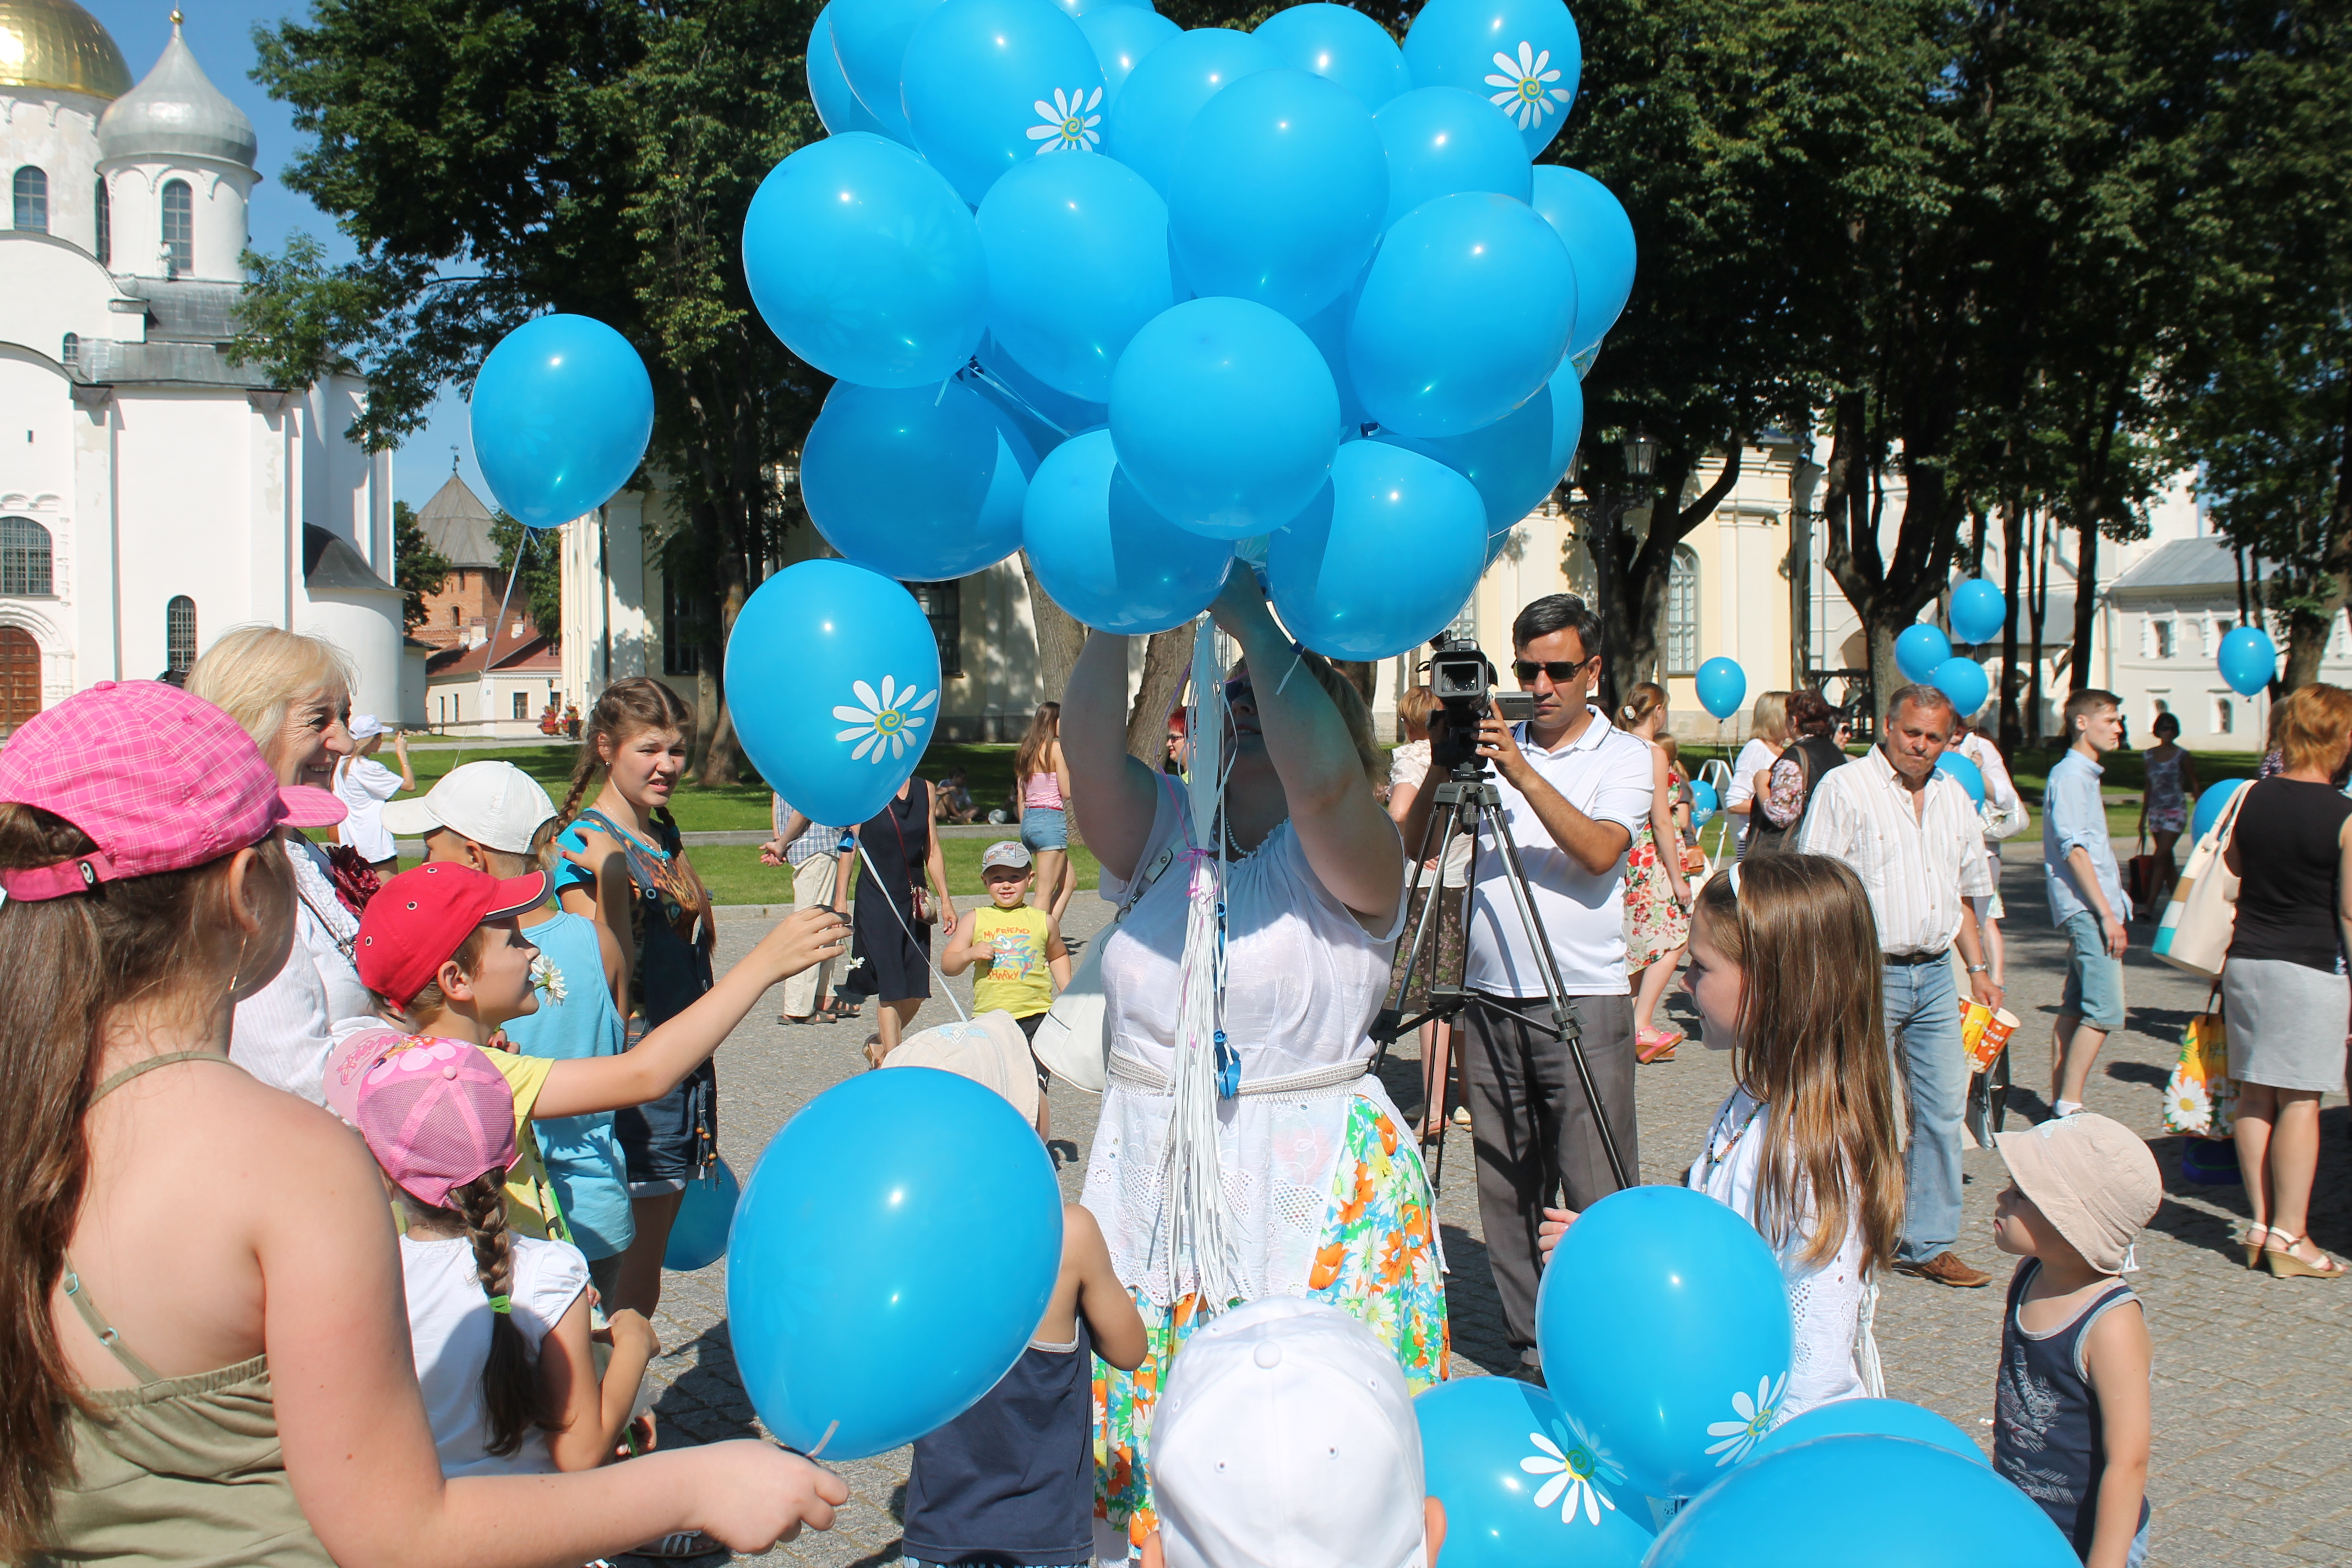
635	740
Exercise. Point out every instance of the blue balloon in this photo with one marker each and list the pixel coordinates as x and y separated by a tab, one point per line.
1666	1266
1919	651
1121	35
836	101
2210	804
1278	191
1463	317
1774	1513
866	263
1705	803
858	1319
917	484
1721	686
1522	56
1971	776
870	43
1964	681
1225	417
832	678
561	414
1165	92
698	1236
1340	43
1600	238
1441	139
1979	611
1882	1417
1334	571
1044	416
1520	1484
2248	658
992	84
1515	461
1105	555
1078	261
1328	329
1082	9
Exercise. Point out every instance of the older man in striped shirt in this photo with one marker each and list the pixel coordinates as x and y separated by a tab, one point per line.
1913	836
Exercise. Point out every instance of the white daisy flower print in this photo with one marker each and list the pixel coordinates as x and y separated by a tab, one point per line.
1755	1420
885	725
1067	125
1527	95
547	980
1575	1466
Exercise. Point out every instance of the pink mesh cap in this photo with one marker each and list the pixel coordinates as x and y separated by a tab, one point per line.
159	780
437	1114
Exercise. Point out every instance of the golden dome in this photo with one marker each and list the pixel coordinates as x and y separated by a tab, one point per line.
57	44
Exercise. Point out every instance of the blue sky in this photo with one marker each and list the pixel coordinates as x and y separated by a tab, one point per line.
222	37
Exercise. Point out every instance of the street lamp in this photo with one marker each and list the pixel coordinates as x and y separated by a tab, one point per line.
1641	454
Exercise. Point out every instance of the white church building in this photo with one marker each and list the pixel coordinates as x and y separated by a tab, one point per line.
151	494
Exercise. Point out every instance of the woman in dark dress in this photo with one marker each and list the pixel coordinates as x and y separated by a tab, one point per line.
891	957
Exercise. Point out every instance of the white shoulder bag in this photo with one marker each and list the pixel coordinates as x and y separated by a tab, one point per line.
1074	1041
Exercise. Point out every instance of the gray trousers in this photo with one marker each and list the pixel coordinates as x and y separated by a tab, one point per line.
1534	1128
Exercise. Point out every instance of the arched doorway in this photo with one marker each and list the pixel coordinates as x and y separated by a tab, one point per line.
20	678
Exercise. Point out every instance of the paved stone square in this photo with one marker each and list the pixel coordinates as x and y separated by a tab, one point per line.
2253	1411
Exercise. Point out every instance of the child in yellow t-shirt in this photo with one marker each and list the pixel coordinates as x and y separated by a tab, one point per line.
1019	949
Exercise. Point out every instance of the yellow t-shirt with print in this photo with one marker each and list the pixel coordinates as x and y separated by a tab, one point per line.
1010	945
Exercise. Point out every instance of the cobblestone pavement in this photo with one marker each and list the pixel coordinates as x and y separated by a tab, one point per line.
2254	1412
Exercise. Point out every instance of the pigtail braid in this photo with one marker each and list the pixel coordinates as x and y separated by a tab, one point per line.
510	1389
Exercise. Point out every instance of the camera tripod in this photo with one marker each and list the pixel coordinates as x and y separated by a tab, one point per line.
1465	802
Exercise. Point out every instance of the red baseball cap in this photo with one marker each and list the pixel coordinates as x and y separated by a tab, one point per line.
159	781
416	921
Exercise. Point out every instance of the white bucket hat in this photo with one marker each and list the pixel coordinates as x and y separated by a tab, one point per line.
989	1048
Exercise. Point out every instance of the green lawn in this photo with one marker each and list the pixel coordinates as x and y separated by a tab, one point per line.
734	875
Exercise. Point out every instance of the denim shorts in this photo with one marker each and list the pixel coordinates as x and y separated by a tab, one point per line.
1045	827
2095	983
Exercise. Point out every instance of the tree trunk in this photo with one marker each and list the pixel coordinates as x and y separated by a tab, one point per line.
1059	636
1629	573
1167	660
2013	552
2087	603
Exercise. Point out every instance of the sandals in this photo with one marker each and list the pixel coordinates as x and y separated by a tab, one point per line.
2250	1246
1657	1045
873	1051
2285	1265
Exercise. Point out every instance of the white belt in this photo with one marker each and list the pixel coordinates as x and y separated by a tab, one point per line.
1140	1077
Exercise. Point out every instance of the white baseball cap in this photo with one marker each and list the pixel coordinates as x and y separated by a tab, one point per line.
1285	1438
1009	852
366	727
496	804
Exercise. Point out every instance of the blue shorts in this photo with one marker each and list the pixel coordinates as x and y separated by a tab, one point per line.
2095	983
1045	827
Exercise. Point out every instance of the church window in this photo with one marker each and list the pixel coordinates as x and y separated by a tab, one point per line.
2225	716
943	607
682	623
522	704
179	228
1682	612
180	635
105	225
70	351
23	558
31	190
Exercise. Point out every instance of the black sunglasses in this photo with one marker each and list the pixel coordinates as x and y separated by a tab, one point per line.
1560	670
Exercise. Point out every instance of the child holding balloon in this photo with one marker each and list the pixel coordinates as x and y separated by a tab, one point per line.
1784	973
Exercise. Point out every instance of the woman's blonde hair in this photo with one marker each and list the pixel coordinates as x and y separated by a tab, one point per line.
2312	728
253	674
1812	1047
1414	705
1770	718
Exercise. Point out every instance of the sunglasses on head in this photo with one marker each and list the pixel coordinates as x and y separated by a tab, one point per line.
1560	670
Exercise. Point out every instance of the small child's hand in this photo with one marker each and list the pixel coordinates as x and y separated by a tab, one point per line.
630	1327
754	1494
1555	1226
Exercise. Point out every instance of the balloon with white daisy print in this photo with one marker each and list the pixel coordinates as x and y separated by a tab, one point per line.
989	84
1521	1483
1652	1266
1522	56
832	680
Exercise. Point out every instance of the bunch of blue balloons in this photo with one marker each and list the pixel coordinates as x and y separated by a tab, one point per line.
1126	295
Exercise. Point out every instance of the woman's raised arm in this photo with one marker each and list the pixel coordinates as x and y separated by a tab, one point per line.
1120	792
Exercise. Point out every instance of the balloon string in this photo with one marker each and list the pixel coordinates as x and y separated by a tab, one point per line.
921	944
821	1442
989	379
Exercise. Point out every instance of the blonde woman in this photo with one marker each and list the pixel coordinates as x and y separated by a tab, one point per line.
1768	723
1657	899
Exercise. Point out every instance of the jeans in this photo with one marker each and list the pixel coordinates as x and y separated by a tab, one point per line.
1923	1031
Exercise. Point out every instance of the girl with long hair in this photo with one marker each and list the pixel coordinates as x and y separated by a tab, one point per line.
634	741
226	1380
1657	899
1784	971
1041	788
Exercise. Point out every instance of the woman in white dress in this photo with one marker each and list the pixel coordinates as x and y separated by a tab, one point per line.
1319	1191
1784	970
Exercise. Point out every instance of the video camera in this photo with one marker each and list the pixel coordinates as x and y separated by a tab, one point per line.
1462	680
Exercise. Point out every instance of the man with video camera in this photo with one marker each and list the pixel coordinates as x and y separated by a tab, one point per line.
1573	788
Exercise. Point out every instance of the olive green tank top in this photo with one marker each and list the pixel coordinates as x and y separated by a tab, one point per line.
182	1471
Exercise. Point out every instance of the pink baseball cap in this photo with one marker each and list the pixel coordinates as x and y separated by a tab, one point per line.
159	780
436	1115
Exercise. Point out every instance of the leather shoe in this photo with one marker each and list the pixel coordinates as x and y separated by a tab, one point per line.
1945	1269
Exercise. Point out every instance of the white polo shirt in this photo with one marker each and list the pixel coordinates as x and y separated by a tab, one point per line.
1605	773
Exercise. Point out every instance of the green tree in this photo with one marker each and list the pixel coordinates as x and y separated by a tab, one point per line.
538	591
419	568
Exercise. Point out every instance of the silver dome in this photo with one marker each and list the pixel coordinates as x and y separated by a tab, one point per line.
176	111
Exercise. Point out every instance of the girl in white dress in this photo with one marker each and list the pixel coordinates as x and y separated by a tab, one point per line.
1784	971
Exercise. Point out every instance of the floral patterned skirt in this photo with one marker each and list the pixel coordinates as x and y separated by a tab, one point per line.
1376	1260
1655	925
